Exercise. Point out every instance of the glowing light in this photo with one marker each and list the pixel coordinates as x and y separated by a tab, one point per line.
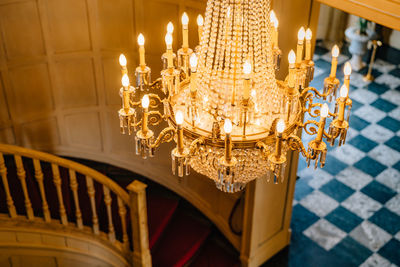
140	39
301	34
122	60
292	57
179	117
253	93
193	61
168	39
145	101
344	91
335	51
228	126
125	80
185	19
200	20
308	34
273	19
280	126
347	69
324	111
247	67
170	28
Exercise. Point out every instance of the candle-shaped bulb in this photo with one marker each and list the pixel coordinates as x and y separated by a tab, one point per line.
335	51
140	39
122	60
200	20
170	28
292	57
301	34
193	62
185	19
280	126
308	34
274	19
179	117
247	67
347	69
168	39
145	101
125	80
324	110
228	126
344	91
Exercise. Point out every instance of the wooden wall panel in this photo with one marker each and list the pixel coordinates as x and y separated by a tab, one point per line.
69	25
116	24
7	136
76	82
21	30
84	130
38	134
4	114
30	93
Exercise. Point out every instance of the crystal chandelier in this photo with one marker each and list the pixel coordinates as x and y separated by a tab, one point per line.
230	118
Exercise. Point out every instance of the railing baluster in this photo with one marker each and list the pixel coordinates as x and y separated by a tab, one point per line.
107	201
74	187
39	179
91	192
122	215
10	203
22	177
57	183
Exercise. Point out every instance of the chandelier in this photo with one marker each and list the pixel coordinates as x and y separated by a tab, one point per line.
230	118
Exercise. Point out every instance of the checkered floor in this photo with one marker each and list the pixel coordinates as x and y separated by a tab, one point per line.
348	213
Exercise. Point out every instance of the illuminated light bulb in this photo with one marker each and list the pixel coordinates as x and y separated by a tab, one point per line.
193	61
301	34
168	39
170	28
122	60
335	51
140	39
253	93
308	34
185	19
347	69
273	19
247	67
344	91
280	126
292	57
228	126
324	110
125	80
145	101
179	117
200	20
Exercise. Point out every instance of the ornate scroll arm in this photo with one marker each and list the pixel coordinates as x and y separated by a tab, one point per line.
316	112
264	148
165	136
157	84
155	100
311	130
294	143
155	117
332	136
313	92
194	146
136	124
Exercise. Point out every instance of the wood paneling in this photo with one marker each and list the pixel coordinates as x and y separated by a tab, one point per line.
76	81
69	25
21	30
41	133
84	130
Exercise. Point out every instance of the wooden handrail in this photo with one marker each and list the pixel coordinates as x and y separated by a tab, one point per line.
68	164
135	201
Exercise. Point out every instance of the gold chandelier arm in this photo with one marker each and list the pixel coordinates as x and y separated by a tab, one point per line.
316	112
194	146
330	137
311	130
313	92
155	100
155	117
135	104
264	148
136	124
165	136
294	143
157	84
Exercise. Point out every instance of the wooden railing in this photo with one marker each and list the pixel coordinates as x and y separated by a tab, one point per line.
76	176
